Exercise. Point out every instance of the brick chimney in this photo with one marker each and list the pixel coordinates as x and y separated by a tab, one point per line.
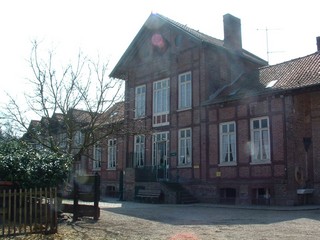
232	32
318	44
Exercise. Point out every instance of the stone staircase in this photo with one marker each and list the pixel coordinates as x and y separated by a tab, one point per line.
183	196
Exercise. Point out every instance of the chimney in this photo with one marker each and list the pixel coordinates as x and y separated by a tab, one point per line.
318	44
232	32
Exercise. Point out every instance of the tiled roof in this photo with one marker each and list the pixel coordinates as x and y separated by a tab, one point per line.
208	39
297	73
195	33
114	114
294	74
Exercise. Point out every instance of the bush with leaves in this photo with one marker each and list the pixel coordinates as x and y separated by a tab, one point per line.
28	167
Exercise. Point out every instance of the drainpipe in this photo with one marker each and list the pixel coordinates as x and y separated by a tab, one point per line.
306	143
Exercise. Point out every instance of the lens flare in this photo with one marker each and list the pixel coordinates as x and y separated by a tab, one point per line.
184	236
158	41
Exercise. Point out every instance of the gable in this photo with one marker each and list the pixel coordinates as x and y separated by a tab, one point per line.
160	34
155	41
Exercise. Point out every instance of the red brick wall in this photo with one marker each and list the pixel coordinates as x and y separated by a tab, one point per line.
245	175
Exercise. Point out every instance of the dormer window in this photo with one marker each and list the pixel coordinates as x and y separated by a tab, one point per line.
271	83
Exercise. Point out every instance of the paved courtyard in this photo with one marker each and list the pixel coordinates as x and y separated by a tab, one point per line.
129	220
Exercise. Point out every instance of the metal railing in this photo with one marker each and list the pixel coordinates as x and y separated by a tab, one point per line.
146	174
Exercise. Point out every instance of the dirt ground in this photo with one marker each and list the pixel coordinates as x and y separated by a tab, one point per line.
128	220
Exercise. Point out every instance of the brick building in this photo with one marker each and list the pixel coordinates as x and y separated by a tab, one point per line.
223	124
265	125
94	139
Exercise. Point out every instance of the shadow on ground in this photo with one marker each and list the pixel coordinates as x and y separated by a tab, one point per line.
207	214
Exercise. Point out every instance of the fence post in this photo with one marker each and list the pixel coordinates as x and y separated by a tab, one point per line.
121	186
54	228
75	199
96	196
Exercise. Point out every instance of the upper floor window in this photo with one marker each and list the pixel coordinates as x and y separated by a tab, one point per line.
97	157
112	153
62	140
78	138
228	143
161	102
185	147
260	140
139	146
185	90
140	101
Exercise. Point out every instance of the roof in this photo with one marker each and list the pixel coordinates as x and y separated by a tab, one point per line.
297	73
210	40
290	75
114	114
153	22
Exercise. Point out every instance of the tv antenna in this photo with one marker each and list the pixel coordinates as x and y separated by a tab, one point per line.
267	40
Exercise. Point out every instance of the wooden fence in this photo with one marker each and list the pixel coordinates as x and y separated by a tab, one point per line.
27	211
85	188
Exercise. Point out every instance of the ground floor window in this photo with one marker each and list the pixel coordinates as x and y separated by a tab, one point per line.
160	154
261	196
112	153
111	191
228	195
139	149
97	157
185	147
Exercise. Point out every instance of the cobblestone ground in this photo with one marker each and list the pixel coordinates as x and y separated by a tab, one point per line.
127	220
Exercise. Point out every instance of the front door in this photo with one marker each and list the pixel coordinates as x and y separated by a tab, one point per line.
160	155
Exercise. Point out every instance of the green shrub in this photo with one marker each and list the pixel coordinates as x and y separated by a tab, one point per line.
29	167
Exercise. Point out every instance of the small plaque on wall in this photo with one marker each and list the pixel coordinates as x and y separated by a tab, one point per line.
173	154
218	174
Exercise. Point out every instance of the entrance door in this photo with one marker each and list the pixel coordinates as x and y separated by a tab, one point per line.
160	155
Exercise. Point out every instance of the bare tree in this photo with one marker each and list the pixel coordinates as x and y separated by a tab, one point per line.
78	99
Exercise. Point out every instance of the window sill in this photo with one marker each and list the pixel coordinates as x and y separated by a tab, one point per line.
111	169
96	169
227	164
184	166
139	118
184	109
260	162
161	124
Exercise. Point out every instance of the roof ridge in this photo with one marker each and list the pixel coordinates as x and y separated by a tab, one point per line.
185	27
291	60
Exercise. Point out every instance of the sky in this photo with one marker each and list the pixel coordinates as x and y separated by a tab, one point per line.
107	27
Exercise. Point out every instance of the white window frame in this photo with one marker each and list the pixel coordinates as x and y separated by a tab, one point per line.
228	143
185	147
139	150
185	90
161	101
260	134
140	101
97	157
112	153
156	138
